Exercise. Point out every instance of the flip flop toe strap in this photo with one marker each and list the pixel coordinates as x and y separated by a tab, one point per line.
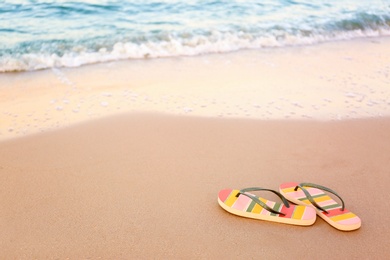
262	204
310	198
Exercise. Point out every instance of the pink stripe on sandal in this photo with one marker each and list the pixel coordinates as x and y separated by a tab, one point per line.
245	204
328	209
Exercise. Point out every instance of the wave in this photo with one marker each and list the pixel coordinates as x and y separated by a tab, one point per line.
44	54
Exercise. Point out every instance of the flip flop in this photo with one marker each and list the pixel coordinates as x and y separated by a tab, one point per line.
312	195
245	204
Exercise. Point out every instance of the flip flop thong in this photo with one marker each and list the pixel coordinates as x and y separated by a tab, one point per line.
313	195
245	204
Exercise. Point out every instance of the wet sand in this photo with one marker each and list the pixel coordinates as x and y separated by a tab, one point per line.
332	81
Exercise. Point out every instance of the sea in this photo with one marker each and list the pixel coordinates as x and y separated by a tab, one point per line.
42	34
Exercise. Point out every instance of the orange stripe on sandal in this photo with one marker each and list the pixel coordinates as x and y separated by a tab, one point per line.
328	209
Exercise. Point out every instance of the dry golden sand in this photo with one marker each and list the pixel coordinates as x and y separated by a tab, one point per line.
145	186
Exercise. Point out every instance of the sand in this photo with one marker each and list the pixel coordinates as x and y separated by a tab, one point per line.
145	187
332	81
125	160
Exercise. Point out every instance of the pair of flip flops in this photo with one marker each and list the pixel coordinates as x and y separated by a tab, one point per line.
310	199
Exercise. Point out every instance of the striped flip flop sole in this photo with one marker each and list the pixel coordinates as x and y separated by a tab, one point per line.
246	207
343	220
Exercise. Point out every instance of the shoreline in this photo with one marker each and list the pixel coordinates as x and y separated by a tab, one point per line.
146	185
329	81
126	159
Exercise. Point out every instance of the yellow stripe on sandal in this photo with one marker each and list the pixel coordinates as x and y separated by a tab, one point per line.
246	204
313	195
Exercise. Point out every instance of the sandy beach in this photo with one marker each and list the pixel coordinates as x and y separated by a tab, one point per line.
118	188
125	160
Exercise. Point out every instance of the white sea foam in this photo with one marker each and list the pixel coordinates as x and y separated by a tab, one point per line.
201	45
54	34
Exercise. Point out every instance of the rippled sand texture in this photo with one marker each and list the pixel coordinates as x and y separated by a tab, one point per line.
332	81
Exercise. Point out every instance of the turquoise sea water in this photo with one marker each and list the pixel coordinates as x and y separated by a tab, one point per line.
37	34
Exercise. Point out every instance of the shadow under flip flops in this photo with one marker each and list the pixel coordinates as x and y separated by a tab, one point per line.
313	195
246	204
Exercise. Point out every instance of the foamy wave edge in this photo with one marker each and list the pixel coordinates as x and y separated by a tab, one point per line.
173	48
